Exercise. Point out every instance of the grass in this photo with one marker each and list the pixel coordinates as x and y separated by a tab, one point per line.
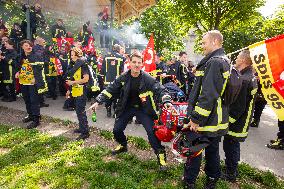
138	142
30	159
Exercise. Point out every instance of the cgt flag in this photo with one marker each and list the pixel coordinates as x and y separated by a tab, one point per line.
64	41
90	48
149	56
268	61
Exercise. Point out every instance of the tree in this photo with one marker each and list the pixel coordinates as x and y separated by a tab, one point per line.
244	34
168	31
11	12
232	18
274	25
258	28
207	15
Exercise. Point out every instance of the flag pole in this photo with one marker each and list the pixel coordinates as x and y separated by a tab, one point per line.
237	51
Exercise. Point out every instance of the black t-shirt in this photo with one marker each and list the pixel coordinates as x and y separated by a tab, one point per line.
133	98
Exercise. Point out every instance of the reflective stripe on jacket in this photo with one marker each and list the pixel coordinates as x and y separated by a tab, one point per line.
151	92
205	104
241	110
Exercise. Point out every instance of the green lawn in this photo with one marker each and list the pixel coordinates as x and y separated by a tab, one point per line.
30	159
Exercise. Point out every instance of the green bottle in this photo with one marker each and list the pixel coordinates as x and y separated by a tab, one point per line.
94	117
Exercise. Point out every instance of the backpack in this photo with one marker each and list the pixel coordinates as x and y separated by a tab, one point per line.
233	84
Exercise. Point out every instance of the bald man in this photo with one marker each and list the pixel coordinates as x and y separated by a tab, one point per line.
206	111
240	116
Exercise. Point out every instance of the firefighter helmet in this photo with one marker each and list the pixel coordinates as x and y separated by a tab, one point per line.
189	144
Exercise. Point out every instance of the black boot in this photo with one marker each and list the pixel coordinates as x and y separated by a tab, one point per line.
162	160
77	131
42	105
108	111
27	119
210	183
230	176
83	136
119	149
35	122
276	144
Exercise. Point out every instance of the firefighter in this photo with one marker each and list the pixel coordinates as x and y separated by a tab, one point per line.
112	67
64	60
39	50
17	35
86	34
278	143
77	78
241	112
52	77
179	70
103	18
36	19
3	50
208	115
58	30
260	104
9	62
31	79
137	91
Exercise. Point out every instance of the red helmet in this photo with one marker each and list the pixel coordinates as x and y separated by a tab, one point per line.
189	144
163	133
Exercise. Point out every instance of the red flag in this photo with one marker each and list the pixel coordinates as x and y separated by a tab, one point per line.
64	41
149	56
267	57
58	66
90	48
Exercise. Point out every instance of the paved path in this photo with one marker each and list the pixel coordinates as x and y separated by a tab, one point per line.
253	151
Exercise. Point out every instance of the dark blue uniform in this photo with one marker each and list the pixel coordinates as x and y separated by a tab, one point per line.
240	117
206	109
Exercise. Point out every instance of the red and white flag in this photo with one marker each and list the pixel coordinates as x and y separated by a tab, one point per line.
268	61
90	48
58	66
149	56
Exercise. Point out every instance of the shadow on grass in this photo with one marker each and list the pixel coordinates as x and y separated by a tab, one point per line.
38	160
27	146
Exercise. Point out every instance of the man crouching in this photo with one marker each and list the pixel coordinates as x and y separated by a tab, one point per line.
137	92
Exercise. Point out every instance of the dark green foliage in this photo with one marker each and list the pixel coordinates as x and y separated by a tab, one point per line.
167	27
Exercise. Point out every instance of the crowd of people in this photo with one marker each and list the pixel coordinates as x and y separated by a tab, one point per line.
36	71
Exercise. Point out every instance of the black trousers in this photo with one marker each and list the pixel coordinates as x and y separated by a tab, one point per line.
147	122
212	165
104	38
31	99
61	85
1	88
232	150
52	85
110	102
69	103
258	108
80	106
9	90
280	134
